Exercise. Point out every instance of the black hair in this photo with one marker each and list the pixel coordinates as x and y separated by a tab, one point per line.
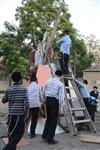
85	82
33	77
16	76
66	32
58	73
95	87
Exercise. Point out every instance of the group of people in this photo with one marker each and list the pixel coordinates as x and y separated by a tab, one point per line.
25	101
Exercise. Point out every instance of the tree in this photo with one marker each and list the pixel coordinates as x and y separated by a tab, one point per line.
35	17
93	46
80	58
10	50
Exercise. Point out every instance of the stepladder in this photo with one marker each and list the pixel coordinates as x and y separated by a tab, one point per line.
74	111
73	115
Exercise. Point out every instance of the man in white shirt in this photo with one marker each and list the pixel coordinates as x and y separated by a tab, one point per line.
65	45
34	94
54	95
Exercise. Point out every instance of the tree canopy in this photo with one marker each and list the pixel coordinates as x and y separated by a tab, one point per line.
35	17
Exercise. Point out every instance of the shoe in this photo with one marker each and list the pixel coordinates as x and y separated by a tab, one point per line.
52	142
44	138
32	136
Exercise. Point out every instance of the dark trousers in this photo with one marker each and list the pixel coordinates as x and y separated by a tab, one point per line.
64	58
34	117
87	103
91	108
15	131
92	112
52	108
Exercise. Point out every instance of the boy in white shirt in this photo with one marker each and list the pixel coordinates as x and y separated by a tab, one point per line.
34	94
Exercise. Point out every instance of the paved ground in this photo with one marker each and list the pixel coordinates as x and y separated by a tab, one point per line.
66	141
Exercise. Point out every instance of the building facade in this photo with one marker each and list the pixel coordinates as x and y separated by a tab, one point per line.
93	76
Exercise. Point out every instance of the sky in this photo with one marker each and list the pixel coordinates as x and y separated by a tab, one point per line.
85	14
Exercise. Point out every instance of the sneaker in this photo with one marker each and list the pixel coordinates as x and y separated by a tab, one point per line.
52	142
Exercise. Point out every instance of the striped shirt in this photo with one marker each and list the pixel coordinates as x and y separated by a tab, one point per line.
55	88
17	98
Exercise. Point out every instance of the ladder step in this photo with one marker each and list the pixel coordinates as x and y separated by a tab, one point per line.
77	109
81	121
66	77
73	98
61	115
67	87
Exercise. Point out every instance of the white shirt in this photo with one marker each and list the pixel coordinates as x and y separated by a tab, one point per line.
34	94
38	58
65	44
55	88
83	89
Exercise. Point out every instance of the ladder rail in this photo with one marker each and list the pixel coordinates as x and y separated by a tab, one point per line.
70	119
68	113
73	129
92	127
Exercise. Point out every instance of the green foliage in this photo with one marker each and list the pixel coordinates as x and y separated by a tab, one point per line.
35	17
10	50
80	59
2	114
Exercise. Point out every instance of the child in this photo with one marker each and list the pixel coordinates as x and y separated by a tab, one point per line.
18	105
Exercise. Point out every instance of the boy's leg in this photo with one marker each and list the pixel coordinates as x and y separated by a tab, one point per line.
16	131
34	112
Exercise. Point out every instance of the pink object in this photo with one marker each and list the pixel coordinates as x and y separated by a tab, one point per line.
43	74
